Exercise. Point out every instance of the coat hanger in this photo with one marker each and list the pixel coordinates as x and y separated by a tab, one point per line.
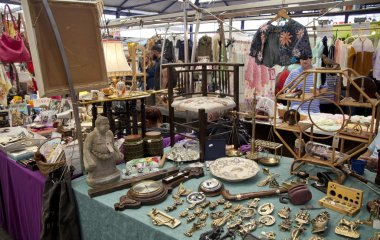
280	14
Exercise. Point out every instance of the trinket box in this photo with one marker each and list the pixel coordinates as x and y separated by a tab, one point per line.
342	199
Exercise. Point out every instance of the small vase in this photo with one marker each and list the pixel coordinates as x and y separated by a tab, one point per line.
120	88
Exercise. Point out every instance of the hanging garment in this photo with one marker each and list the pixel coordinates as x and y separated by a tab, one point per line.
259	78
181	46
59	212
360	56
205	47
281	45
376	62
215	47
325	51
169	51
5	86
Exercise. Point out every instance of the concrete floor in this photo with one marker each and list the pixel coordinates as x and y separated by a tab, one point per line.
4	235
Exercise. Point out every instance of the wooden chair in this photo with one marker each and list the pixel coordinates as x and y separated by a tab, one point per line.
191	97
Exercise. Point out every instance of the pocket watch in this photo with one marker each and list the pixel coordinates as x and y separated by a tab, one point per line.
210	187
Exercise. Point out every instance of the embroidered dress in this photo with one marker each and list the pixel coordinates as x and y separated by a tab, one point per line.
281	45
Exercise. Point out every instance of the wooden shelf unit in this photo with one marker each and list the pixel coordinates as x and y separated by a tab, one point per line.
363	139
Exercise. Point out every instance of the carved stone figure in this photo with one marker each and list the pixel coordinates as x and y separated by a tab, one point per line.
100	155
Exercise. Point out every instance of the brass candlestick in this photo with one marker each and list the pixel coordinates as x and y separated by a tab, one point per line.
253	155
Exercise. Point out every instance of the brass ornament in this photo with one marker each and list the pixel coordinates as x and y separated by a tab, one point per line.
320	222
269	235
248	227
284	212
160	218
253	203
235	225
285	225
216	215
192	206
227	205
204	204
198	210
348	228
171	207
246	213
191	218
213	205
266	209
203	216
267	220
296	233
196	226
195	197
184	213
303	217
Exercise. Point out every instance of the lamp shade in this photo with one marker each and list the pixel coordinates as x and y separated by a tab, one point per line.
116	62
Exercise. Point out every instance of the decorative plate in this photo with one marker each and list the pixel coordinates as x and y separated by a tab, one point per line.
234	169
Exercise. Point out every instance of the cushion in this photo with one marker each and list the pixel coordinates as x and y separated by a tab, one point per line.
210	104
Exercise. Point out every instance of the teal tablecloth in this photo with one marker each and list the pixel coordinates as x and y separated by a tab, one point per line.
99	220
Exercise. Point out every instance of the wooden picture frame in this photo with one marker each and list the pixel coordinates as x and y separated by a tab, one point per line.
79	26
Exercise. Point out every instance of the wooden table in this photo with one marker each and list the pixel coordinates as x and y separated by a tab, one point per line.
130	102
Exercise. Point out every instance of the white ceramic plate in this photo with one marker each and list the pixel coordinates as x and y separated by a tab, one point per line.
234	169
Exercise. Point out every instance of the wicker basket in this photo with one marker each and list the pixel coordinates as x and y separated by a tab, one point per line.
44	167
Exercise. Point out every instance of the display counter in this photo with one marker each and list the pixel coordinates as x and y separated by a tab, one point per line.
99	220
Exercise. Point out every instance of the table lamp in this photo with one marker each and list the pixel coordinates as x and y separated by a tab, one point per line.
116	63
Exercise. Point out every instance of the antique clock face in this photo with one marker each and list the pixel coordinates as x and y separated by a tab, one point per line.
147	187
211	187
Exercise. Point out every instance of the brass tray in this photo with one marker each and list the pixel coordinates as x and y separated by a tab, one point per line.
269	161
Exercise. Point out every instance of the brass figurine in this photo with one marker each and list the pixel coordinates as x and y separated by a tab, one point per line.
221	221
270	179
320	222
348	228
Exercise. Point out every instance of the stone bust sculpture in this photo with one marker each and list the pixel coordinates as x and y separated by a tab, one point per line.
100	155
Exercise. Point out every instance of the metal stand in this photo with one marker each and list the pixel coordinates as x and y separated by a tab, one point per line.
253	155
73	95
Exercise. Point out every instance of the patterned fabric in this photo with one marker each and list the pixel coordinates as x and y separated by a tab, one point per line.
210	104
281	45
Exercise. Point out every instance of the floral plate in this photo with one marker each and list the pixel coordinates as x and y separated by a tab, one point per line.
234	169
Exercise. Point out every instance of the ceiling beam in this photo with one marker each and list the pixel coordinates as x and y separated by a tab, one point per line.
168	6
242	10
225	3
142	4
